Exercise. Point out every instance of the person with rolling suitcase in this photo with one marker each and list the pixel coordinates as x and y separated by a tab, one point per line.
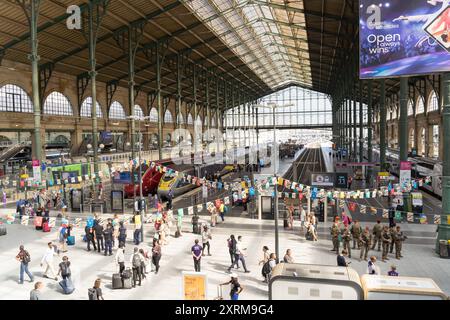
236	287
117	281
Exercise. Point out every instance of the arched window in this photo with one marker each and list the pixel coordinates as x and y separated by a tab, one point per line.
116	111
138	111
14	99
190	120
153	115
180	118
86	108
213	122
410	108
198	121
394	112
168	117
57	104
433	102
420	106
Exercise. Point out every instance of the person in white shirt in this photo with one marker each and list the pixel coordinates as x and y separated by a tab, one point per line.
120	258
242	252
372	268
47	259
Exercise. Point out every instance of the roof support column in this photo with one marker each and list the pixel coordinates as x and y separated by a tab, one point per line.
382	125
369	129
219	133
403	125
179	91
444	227
233	107
361	123
208	107
158	100
239	118
355	139
194	88
32	10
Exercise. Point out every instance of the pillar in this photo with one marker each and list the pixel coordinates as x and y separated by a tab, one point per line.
403	123
159	102
361	123
444	227
383	125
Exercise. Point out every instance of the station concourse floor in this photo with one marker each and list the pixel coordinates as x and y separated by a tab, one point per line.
419	260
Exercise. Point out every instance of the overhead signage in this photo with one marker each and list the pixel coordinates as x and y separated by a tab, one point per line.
404	38
356	164
341	180
122	177
322	179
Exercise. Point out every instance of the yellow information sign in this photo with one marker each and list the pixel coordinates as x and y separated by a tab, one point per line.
194	286
383	174
448	219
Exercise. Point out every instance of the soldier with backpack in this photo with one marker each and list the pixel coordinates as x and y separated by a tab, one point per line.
24	258
136	260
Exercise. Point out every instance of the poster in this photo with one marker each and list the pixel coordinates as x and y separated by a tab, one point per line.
404	38
194	286
405	173
117	202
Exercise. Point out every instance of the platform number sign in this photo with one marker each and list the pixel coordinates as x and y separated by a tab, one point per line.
341	180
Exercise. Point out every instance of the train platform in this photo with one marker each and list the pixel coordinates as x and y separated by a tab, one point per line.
176	258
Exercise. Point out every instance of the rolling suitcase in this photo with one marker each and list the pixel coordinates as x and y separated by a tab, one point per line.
219	293
3	231
71	240
127	284
116	281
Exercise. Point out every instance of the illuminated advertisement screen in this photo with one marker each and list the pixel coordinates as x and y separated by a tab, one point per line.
404	38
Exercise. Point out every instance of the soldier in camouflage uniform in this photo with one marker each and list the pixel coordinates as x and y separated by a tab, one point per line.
392	233
356	231
346	238
335	237
386	239
399	238
366	240
376	231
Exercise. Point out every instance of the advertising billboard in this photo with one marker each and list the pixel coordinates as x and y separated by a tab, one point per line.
322	179
404	38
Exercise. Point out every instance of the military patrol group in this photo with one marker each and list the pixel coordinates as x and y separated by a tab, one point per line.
387	238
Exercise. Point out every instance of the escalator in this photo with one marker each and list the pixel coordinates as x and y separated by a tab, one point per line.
20	151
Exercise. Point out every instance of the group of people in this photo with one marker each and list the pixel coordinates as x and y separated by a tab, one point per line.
383	237
308	221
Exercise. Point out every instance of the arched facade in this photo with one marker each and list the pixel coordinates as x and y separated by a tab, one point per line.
153	115
116	111
14	99
86	108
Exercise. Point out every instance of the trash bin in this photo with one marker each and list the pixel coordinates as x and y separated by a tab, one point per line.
443	249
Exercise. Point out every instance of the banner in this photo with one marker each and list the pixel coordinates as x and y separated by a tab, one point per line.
404	38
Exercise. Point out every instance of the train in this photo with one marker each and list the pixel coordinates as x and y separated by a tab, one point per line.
295	281
178	184
421	168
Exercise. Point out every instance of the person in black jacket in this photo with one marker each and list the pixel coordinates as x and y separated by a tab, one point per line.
122	234
98	229
90	237
108	235
341	259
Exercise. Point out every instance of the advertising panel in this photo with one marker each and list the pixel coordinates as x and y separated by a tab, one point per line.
404	38
194	286
405	172
322	179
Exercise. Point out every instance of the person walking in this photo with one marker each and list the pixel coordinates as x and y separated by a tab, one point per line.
137	231
136	265
63	235
47	260
268	267
144	263
377	231
356	231
288	257
156	254
116	226
386	239
90	238
197	255
232	248
366	240
265	255
240	255
120	258
24	258
206	236
236	287
35	294
98	231
108	236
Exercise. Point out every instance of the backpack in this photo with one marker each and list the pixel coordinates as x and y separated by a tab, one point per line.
26	257
92	293
266	269
136	260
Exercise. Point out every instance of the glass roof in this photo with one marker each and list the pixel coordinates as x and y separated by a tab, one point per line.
268	38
